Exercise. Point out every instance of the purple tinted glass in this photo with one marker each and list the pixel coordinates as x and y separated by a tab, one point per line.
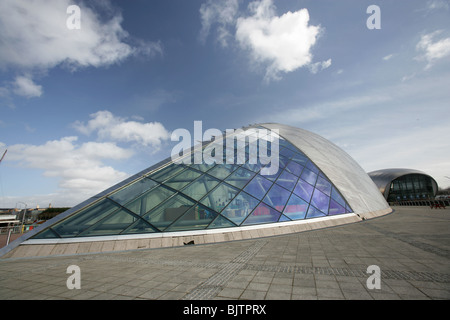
314	213
262	214
320	201
277	197
296	208
258	187
295	168
304	190
312	167
287	180
323	185
309	176
335	208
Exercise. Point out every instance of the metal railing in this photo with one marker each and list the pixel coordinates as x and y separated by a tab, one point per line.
429	203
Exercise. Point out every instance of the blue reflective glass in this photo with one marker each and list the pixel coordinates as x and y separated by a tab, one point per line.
240	207
295	168
323	185
287	152
309	176
335	208
314	213
182	179
320	201
337	196
200	187
262	214
287	180
222	171
277	197
296	208
301	159
311	166
304	190
220	197
258	186
240	177
167	172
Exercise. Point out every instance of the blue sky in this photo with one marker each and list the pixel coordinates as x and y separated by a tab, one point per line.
82	109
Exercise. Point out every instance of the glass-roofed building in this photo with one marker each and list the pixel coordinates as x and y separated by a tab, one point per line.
297	181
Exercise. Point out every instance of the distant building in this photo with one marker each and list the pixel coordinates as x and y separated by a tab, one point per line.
399	184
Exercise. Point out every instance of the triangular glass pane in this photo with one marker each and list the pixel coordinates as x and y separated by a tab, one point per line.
311	166
221	222
84	219
335	208
220	197
287	180
46	234
222	171
167	212
304	190
294	168
309	176
197	217
258	187
132	191
314	213
240	177
296	208
182	179
167	172
140	226
149	200
262	214
277	197
240	207
337	197
200	187
323	185
283	218
115	223
320	200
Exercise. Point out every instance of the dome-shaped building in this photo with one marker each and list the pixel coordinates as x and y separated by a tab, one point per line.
400	184
315	184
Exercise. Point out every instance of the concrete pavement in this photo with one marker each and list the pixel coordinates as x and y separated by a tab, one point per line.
411	247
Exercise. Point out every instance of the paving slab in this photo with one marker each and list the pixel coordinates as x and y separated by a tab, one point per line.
411	248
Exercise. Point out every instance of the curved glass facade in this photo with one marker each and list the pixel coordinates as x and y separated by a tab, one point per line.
181	197
411	187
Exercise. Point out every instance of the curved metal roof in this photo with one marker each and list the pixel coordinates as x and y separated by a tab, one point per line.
384	177
347	175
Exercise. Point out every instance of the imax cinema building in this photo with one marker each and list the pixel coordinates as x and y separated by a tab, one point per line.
172	203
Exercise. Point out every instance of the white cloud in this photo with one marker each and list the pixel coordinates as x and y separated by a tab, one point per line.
280	44
432	50
223	13
79	168
24	86
35	38
119	129
438	4
283	42
388	57
318	66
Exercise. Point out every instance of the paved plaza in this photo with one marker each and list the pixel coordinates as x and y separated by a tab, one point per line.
411	247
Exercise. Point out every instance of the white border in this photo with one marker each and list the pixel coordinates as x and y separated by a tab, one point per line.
184	233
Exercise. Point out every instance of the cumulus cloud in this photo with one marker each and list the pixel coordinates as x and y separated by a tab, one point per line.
25	86
222	13
79	168
433	50
110	127
280	44
35	37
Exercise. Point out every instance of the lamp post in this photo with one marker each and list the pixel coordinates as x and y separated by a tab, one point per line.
24	213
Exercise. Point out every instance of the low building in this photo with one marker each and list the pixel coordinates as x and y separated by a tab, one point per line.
399	184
